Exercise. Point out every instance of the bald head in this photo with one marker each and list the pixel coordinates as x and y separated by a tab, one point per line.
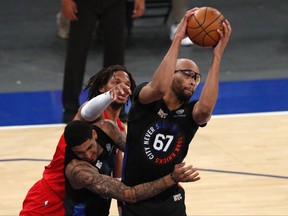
184	63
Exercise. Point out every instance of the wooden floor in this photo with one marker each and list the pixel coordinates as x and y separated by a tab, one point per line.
243	161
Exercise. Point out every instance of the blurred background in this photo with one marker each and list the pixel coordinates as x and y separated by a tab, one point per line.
254	74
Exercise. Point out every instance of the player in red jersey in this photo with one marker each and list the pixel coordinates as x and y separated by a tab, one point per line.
109	90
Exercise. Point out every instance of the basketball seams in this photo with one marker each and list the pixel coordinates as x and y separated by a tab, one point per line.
199	28
208	33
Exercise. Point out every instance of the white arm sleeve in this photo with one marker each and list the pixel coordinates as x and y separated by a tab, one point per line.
93	108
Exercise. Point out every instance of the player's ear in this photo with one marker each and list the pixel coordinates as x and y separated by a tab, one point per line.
101	89
94	134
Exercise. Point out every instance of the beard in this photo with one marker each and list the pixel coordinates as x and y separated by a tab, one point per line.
181	92
183	97
117	105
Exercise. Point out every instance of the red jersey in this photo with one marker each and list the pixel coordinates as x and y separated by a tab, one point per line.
47	195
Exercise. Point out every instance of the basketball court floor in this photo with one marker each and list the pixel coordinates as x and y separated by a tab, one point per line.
242	153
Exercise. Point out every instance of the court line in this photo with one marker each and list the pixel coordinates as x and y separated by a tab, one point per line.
244	173
214	116
200	169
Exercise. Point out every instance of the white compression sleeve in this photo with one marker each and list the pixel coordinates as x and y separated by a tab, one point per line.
93	108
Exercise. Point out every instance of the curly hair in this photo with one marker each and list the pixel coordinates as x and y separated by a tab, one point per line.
102	77
77	132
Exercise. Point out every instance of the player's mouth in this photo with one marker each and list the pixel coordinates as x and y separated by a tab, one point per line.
189	91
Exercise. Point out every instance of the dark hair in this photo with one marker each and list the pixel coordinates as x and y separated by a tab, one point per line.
77	132
101	79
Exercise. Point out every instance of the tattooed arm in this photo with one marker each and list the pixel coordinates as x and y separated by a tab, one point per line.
113	131
83	175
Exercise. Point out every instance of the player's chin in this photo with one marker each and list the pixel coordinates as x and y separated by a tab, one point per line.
188	93
121	101
93	159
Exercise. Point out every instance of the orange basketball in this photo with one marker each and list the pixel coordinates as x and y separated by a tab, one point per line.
202	26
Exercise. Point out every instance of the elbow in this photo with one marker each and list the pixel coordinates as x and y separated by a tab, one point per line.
130	200
159	89
203	116
160	92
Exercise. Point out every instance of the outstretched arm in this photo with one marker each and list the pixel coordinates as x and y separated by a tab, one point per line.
83	175
203	109
91	110
162	78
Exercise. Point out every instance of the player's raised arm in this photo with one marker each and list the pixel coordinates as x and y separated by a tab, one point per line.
163	76
202	111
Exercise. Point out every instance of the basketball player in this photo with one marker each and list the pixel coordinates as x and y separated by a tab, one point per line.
162	122
87	160
108	92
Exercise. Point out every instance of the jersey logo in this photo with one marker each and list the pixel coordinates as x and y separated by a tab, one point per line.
162	143
108	147
162	114
98	164
180	112
177	197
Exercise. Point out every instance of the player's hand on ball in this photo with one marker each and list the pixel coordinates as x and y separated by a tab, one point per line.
224	39
181	30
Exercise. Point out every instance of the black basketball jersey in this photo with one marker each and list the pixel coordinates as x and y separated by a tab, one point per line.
157	139
93	203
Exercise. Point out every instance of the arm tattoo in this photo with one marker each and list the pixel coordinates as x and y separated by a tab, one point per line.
120	141
89	177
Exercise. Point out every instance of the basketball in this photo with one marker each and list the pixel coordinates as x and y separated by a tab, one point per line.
202	26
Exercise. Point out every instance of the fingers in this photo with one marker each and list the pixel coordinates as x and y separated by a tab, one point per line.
181	29
191	11
178	166
191	175
227	30
120	92
185	174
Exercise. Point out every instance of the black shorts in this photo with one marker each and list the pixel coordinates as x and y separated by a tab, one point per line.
171	204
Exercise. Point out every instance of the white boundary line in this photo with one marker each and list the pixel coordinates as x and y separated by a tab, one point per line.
214	116
250	114
31	126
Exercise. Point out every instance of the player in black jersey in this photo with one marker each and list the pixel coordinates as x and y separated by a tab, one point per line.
163	120
88	165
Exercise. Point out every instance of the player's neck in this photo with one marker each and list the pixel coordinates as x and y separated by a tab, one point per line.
112	113
172	103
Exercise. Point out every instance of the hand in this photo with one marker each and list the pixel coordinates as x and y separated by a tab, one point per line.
185	174
120	92
69	9
139	8
224	38
181	30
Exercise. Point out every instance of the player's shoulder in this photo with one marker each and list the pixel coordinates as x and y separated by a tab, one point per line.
105	124
108	126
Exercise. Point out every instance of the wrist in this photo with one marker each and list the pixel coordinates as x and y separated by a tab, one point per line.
173	179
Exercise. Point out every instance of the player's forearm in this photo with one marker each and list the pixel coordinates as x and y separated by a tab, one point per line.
120	141
148	190
93	108
87	176
209	94
109	187
163	76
